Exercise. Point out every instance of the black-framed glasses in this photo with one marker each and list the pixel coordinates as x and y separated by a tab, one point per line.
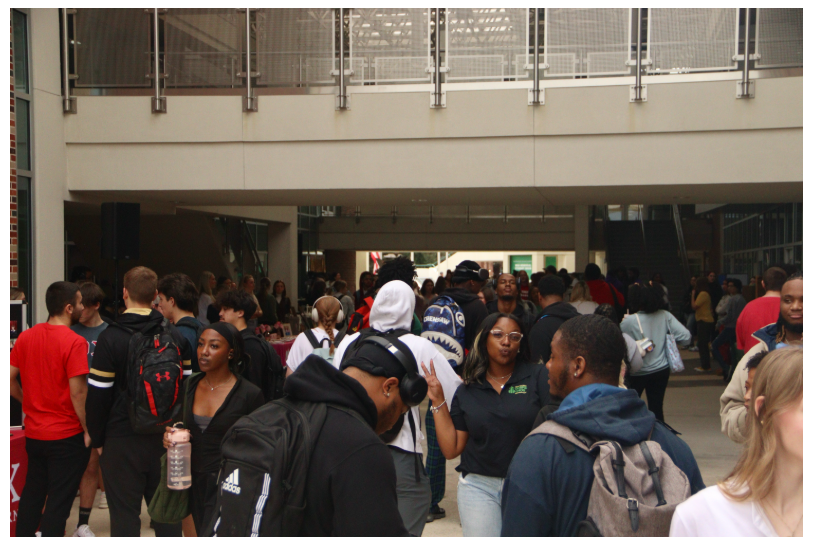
514	336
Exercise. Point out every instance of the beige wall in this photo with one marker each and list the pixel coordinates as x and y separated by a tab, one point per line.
298	149
49	184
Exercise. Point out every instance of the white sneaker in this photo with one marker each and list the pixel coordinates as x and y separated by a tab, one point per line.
83	530
103	501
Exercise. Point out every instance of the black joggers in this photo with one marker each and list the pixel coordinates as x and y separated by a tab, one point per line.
55	468
654	385
131	467
704	336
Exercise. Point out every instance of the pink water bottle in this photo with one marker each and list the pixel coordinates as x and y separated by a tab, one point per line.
179	461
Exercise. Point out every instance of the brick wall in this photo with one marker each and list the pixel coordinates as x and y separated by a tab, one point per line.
344	261
13	199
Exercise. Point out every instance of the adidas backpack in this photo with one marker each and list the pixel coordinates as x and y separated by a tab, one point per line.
443	325
154	374
265	460
635	489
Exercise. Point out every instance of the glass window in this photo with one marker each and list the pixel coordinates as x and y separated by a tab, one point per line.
20	51
23	148
615	212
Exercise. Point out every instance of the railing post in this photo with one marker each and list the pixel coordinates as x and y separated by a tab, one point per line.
158	102
745	87
439	100
68	101
638	93
250	101
342	96
535	98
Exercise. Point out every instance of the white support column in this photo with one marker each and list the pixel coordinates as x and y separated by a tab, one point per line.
49	180
581	237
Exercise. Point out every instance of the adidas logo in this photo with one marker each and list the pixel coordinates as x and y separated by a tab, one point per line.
232	483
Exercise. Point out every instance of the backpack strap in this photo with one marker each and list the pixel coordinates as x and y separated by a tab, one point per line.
312	338
563	434
653	470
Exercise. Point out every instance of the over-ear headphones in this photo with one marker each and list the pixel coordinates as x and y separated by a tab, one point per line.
315	315
412	387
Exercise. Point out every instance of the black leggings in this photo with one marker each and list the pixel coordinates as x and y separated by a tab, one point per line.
705	330
654	385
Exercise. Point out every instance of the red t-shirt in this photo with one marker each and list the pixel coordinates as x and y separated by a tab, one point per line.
601	292
757	314
47	356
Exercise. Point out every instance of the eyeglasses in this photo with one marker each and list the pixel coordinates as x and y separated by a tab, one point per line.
514	336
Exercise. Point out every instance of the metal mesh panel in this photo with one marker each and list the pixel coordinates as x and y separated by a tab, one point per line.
392	43
780	37
587	41
692	39
485	43
203	47
295	46
113	47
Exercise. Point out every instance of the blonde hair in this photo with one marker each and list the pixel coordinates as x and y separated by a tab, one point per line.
203	283
780	380
328	317
581	292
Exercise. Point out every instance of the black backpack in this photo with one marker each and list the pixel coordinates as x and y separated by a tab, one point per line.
273	374
154	374
265	460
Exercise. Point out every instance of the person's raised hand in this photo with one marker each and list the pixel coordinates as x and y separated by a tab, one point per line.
434	390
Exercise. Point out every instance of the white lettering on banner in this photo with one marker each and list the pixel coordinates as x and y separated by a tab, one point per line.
14	496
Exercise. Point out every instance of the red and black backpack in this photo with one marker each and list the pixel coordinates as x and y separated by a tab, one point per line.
154	374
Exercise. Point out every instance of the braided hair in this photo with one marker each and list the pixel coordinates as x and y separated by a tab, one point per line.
328	313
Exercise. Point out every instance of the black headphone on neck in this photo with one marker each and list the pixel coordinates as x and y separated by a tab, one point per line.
412	387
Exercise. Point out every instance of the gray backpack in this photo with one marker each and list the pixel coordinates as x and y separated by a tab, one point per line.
635	490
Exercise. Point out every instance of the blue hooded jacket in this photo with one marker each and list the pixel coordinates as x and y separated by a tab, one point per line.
546	491
768	335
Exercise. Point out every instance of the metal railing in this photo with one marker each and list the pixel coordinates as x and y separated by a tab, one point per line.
218	50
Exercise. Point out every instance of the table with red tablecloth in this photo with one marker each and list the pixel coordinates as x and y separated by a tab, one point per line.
282	348
19	467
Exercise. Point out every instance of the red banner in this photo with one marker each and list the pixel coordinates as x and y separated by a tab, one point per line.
19	467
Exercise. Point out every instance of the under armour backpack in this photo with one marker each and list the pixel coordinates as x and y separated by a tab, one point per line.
635	489
265	461
154	374
273	374
443	325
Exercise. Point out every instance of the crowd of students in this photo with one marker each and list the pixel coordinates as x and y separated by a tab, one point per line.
534	382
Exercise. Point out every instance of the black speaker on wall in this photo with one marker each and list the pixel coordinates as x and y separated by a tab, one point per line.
120	231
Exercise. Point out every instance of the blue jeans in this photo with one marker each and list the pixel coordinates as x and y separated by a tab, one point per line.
479	505
727	336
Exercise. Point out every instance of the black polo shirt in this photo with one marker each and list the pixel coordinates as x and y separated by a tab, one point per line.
498	423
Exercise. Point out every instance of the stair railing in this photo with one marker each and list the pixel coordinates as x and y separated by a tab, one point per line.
258	265
680	237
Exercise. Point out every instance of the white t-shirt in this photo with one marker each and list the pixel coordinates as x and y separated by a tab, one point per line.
423	350
711	513
301	348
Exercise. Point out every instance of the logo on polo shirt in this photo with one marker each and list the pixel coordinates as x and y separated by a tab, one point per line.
232	483
517	389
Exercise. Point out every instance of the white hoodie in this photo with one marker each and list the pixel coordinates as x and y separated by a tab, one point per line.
393	309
